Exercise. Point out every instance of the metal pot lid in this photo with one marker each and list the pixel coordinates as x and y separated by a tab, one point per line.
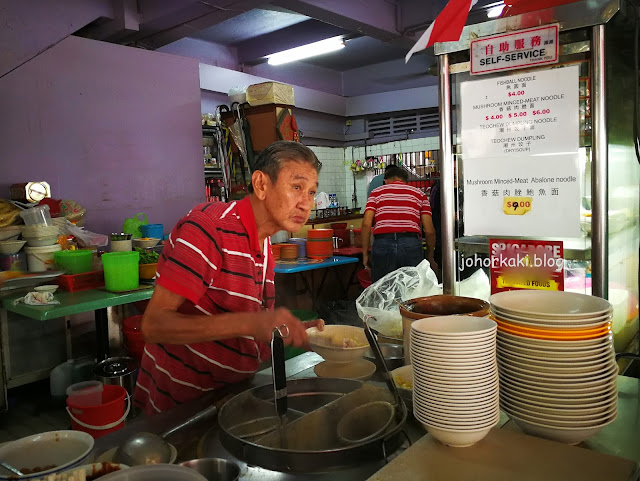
117	367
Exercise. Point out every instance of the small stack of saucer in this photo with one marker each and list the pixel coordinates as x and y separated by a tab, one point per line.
556	362
455	377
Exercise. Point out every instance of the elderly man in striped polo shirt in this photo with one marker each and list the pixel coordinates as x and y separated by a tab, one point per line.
211	315
397	210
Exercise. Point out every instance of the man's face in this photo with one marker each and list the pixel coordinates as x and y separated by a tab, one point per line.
289	200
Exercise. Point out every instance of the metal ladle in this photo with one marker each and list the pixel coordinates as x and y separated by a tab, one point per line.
10	468
150	448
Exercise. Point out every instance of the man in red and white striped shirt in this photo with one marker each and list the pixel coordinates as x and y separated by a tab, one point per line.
211	315
398	210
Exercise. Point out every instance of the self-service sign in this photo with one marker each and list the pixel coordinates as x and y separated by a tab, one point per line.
526	264
510	51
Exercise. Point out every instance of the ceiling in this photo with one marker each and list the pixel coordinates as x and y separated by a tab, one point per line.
378	35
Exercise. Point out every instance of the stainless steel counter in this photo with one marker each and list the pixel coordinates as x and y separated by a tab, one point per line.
621	438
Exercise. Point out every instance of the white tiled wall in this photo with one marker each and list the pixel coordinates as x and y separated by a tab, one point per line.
337	178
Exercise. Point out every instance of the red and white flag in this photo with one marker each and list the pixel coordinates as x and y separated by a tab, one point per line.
447	27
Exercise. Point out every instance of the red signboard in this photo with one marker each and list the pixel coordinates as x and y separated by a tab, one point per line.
526	264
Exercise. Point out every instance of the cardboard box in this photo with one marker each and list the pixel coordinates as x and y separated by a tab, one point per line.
270	93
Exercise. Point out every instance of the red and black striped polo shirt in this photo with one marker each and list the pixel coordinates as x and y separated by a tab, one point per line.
212	259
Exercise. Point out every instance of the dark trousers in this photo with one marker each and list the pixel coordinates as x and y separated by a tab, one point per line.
388	254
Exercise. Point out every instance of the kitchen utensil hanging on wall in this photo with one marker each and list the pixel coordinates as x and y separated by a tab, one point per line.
246	129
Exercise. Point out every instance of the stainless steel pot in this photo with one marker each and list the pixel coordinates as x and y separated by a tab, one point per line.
119	371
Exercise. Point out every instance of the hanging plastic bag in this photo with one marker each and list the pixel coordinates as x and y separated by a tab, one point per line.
86	238
132	225
379	299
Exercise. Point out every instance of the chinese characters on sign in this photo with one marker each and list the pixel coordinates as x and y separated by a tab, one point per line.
526	264
520	154
521	49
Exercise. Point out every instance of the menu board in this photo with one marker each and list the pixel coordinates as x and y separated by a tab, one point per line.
520	138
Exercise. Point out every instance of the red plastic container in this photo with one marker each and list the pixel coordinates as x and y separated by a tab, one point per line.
364	278
81	282
133	339
102	419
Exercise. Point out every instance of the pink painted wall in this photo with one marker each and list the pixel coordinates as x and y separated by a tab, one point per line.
115	128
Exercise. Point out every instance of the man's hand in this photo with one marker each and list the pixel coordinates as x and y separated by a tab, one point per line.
365	259
266	321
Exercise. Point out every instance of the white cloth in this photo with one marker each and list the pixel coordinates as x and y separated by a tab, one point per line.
37	299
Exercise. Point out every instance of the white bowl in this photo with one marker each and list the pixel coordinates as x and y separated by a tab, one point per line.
145	243
62	449
551	362
457	438
155	472
11	246
10	232
453	326
46	288
543	304
328	342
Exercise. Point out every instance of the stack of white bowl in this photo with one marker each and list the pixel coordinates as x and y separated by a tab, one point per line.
455	377
557	363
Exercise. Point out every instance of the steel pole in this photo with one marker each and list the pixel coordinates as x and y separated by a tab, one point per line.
599	167
446	179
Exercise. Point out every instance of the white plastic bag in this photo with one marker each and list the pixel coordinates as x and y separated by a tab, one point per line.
86	238
379	299
322	200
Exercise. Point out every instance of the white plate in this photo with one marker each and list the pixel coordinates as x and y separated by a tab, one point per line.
558	375
107	456
541	304
565	411
454	326
596	386
574	369
538	418
567	435
547	352
570	397
550	360
553	322
606	339
560	326
560	402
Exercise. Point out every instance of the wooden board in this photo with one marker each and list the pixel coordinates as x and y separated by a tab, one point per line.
505	456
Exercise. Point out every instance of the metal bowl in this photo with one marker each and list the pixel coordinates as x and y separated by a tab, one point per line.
214	469
393	356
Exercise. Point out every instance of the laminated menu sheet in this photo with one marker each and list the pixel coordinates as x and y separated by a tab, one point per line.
505	455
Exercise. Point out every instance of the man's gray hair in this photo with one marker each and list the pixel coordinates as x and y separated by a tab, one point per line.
271	159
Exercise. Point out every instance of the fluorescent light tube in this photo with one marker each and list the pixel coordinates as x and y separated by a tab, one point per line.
305	51
494	12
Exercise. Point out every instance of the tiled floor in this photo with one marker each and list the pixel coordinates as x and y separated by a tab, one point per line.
32	411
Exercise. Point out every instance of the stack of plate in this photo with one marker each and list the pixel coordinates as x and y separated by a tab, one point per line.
455	378
556	362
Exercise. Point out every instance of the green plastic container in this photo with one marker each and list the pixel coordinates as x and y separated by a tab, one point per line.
304	316
121	271
73	262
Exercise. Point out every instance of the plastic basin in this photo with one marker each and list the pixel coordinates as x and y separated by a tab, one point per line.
73	262
121	270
